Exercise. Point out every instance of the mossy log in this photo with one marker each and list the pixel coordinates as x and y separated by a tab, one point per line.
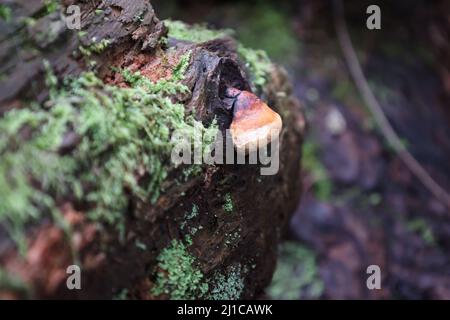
212	228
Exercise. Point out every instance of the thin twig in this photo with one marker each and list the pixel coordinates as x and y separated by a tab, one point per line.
377	112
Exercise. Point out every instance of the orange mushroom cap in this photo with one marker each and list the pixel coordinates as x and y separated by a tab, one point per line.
254	123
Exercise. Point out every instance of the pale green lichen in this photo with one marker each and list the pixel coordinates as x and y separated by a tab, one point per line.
188	217
193	213
228	286
179	276
231	239
140	245
119	137
191	171
139	17
228	205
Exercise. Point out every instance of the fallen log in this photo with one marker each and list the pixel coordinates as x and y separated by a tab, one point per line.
87	121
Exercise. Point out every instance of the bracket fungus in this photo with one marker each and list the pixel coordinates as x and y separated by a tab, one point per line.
254	123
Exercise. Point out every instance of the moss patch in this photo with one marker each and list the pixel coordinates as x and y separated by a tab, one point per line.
256	61
94	47
193	33
124	145
312	164
5	13
179	276
193	213
267	26
191	171
422	228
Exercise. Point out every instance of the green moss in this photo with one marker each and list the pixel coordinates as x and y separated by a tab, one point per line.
94	47
256	61
296	274
311	163
140	245
179	277
192	170
194	33
267	27
188	217
81	34
421	227
228	286
228	205
193	213
342	90
121	295
374	199
51	5
121	132
139	17
9	282
5	13
28	21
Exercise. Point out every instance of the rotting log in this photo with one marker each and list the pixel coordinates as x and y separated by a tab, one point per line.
221	224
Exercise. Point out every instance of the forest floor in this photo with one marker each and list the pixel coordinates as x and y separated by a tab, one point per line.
360	206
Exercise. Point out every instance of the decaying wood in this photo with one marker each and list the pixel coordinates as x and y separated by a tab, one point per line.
262	204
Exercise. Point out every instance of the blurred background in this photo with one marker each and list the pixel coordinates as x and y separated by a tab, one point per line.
360	204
